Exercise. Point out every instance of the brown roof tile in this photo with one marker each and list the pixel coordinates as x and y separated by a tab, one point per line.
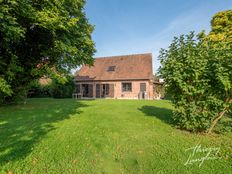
128	67
45	81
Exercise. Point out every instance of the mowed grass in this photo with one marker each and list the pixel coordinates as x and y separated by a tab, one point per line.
101	136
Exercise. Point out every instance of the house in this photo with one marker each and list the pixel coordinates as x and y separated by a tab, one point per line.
118	77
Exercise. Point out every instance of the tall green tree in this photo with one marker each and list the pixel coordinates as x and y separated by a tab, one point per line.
198	75
221	27
220	37
41	37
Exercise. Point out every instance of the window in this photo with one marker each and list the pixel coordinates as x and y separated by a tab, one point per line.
78	88
142	87
105	89
111	68
126	87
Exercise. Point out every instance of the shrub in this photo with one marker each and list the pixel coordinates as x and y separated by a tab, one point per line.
198	76
63	90
39	90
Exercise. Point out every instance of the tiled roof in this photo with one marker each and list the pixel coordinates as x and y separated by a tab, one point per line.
45	81
128	67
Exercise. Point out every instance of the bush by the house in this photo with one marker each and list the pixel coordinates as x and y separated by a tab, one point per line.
198	75
39	89
63	90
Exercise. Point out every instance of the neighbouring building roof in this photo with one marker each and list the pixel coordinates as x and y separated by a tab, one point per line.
127	67
45	81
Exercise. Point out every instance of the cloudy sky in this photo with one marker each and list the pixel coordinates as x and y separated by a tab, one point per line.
140	26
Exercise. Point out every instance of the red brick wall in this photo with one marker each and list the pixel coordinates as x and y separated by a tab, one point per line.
134	94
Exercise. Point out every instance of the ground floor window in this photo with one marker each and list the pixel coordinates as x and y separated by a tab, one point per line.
78	89
142	87
87	90
105	89
126	87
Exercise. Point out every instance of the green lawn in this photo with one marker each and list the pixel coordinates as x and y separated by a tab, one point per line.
47	136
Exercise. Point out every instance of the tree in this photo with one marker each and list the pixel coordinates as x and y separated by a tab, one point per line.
221	25
37	38
198	75
221	64
183	71
61	90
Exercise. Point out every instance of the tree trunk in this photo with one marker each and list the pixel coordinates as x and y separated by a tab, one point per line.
219	116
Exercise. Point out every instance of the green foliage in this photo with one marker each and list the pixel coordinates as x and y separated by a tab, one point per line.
158	88
63	90
39	90
221	27
4	87
224	126
198	76
57	87
40	37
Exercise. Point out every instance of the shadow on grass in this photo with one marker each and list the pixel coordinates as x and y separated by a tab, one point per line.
21	127
163	114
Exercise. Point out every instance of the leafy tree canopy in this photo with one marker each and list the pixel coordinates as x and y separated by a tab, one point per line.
41	37
198	75
221	27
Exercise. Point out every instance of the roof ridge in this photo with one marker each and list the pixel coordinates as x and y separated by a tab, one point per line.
106	57
135	66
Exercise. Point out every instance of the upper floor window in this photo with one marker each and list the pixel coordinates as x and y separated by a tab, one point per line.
126	87
111	68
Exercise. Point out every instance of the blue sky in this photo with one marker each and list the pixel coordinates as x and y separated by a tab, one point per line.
140	26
